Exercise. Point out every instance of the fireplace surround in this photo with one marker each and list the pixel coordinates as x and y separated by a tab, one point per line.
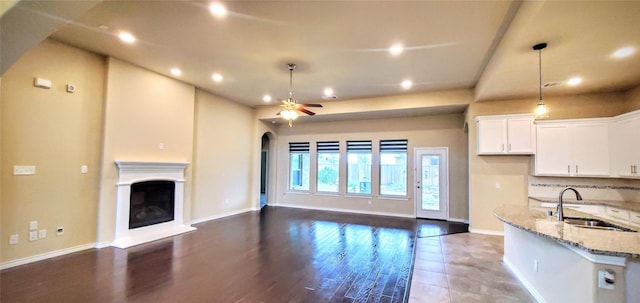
135	174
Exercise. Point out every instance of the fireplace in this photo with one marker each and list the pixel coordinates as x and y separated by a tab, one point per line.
150	202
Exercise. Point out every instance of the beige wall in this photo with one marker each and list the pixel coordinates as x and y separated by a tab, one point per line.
512	171
223	157
143	110
633	98
58	132
426	131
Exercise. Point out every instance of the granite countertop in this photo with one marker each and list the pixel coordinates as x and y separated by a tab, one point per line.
633	206
595	241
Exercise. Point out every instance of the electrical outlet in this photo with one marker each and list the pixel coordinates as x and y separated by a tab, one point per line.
13	239
33	225
33	235
19	170
60	230
42	233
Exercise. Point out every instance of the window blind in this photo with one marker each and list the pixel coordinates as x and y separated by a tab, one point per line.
298	147
399	145
328	146
359	146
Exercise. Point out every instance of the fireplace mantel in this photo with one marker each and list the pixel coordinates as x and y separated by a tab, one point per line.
130	172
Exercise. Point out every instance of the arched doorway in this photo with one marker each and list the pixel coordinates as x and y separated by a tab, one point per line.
264	170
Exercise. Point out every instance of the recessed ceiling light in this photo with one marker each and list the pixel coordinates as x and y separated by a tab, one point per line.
266	98
574	81
328	92
126	37
216	77
624	52
396	49
218	9
406	84
176	71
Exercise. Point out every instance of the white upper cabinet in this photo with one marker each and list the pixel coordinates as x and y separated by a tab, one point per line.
625	145
506	134
577	147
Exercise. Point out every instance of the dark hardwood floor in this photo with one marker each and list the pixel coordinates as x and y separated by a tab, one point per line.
275	255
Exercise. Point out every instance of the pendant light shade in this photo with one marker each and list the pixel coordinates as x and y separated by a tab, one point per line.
541	109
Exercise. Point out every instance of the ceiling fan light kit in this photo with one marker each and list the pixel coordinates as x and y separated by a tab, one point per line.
541	109
290	107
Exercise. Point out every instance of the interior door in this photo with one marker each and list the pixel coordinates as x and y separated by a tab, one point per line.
432	183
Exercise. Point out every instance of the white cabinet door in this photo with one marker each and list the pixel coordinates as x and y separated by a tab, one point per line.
570	148
625	147
491	136
590	149
521	137
506	134
552	150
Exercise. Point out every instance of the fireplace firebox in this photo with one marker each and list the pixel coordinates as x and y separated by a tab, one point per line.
152	202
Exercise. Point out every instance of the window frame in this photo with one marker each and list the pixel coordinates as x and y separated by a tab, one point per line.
394	146
327	147
360	147
299	149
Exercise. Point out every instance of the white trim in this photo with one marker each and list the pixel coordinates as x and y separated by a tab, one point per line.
103	244
459	220
351	211
536	295
398	198
47	255
598	259
227	214
358	196
486	232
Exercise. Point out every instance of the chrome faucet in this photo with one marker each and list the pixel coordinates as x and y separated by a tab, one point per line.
559	213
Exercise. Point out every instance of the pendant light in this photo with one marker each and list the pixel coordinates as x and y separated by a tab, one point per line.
541	109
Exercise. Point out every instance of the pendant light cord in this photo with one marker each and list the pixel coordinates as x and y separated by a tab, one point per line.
540	69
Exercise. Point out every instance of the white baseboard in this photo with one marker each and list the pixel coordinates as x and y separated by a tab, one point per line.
459	220
103	244
351	211
486	232
231	213
47	255
536	295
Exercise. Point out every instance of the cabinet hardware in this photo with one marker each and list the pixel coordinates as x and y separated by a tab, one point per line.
614	211
576	169
568	169
509	147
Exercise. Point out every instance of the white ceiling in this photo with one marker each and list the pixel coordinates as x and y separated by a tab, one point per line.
343	45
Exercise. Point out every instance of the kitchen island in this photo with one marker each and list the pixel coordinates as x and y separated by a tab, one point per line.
559	262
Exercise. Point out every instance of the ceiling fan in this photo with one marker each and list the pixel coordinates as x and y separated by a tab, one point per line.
290	106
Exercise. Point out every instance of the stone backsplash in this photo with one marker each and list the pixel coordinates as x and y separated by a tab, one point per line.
590	188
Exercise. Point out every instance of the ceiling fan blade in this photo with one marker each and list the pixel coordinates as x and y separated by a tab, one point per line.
311	105
306	111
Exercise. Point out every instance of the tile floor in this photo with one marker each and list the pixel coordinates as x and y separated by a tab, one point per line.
463	268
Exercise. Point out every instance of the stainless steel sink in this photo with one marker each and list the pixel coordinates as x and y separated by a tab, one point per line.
595	224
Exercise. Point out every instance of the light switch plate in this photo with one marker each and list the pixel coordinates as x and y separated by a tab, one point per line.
24	170
42	233
13	239
33	235
33	225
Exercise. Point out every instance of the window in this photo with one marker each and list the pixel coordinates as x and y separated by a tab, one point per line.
328	166
299	165
359	167
393	167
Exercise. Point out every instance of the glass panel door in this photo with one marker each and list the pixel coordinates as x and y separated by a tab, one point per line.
432	183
